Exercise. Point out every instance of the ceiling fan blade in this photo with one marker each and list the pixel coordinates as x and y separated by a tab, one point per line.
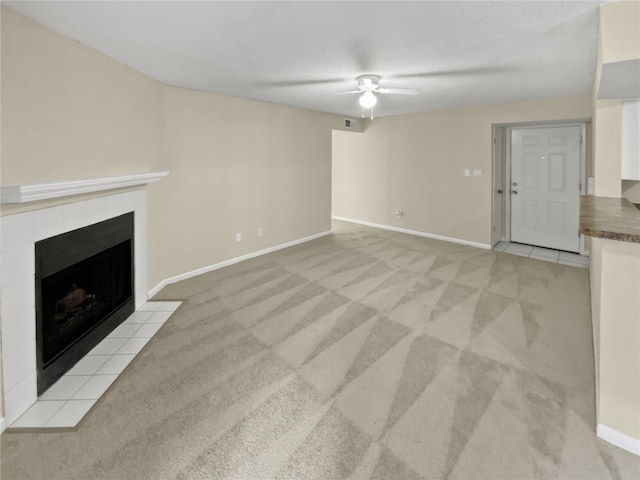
399	91
461	71
296	82
340	93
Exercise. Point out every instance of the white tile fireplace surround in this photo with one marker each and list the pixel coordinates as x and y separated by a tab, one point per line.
19	233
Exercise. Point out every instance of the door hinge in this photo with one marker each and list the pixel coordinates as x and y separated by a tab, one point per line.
580	139
494	141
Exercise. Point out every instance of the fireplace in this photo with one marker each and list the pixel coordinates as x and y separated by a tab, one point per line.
20	232
84	289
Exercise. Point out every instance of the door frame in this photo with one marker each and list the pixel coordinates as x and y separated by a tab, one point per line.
497	163
497	180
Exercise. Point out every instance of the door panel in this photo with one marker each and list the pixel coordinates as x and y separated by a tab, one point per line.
530	173
530	214
545	187
557	169
555	216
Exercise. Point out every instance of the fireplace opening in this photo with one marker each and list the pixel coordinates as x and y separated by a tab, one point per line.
84	290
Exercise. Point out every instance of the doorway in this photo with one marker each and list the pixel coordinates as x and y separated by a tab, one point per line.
538	177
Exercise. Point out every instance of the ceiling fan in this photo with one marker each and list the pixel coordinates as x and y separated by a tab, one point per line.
368	86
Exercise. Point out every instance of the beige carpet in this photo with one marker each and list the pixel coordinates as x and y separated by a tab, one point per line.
365	354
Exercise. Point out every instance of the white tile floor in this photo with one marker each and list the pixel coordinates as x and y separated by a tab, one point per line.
68	400
546	254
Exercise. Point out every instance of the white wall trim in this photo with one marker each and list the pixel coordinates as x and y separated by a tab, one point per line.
1	424
45	191
619	439
485	246
232	261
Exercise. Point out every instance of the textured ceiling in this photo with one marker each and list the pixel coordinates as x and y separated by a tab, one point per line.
298	53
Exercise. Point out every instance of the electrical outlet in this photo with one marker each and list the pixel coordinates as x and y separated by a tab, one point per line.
399	213
467	172
477	173
238	237
260	231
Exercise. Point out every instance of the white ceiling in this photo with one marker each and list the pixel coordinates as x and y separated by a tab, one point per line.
296	53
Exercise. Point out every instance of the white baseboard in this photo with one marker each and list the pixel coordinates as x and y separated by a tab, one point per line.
485	246
1	424
232	261
619	439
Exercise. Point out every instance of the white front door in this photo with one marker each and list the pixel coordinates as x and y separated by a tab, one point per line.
545	187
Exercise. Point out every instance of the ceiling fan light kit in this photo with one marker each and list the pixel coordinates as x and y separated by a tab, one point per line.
368	86
368	99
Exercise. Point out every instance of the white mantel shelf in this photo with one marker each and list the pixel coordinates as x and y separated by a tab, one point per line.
44	191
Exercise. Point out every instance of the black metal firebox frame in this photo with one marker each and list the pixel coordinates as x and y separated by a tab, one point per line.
57	253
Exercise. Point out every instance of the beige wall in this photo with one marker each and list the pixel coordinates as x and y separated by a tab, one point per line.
594	246
617	333
236	165
607	167
619	22
69	112
415	163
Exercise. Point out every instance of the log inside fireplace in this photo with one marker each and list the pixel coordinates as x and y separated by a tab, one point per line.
84	290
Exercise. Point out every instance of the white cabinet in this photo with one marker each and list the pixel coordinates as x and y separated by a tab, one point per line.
631	140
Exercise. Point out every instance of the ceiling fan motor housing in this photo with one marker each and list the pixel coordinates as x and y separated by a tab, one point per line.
368	82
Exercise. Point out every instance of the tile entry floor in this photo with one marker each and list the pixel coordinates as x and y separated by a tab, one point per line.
68	400
547	254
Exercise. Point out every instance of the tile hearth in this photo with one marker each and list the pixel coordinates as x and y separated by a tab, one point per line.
68	400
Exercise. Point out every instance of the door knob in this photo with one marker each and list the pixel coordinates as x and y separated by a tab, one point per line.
515	192
499	191
515	184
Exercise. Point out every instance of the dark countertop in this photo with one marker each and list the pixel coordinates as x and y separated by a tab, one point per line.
608	217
